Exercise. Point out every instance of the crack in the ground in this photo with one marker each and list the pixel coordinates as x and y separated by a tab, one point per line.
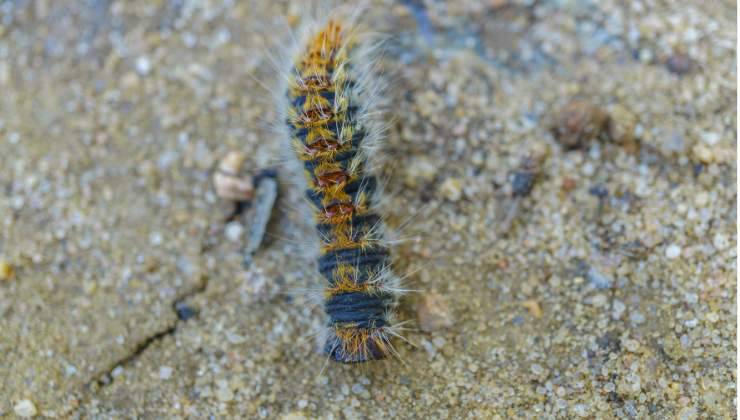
106	378
182	311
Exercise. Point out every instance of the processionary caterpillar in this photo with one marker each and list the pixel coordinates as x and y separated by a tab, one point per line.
331	98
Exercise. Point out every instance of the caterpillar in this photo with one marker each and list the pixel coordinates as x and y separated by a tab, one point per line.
330	99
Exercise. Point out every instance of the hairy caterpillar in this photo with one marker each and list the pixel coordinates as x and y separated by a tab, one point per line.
330	96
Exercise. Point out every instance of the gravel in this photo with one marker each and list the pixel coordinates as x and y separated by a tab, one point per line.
114	115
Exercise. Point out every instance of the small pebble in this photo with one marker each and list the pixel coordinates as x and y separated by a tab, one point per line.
646	56
710	138
673	251
588	169
618	308
685	342
672	347
433	313
25	408
719	241
598	300
631	345
143	65
581	410
165	372
439	342
234	231
17	202
637	318
679	63
235	338
701	199
451	189
703	153
184	312
524	177
419	171
14	138
537	369
568	184
579	123
358	388
598	280
224	394
599	191
609	342
533	307
621	127
522	183
69	370
118	371
155	238
6	270
429	347
691	298
229	179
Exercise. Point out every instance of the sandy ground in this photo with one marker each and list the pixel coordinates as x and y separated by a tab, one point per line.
610	295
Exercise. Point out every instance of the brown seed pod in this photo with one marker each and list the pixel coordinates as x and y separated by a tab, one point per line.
229	179
579	123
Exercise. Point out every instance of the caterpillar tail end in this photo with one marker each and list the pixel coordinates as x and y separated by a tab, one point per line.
357	345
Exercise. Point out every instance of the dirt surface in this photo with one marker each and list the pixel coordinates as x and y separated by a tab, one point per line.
598	282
